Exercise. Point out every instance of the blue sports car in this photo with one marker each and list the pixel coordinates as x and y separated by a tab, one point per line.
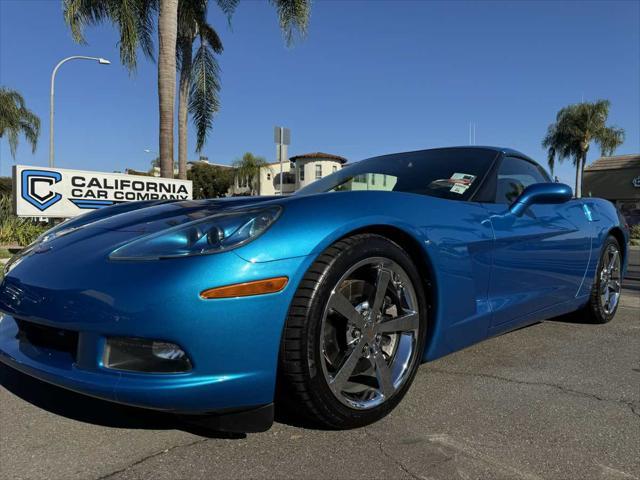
335	294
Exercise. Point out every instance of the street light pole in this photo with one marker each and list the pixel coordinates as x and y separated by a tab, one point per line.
101	61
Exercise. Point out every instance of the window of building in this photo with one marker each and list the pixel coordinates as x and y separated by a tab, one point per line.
302	173
318	171
335	168
384	180
373	179
268	176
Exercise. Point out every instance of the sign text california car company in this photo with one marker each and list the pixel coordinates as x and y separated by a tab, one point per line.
56	192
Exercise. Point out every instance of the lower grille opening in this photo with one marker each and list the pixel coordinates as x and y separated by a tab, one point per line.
48	337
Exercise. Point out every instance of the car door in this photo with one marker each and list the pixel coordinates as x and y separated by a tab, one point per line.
539	258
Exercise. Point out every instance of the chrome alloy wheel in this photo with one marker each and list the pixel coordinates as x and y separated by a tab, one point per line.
369	333
610	281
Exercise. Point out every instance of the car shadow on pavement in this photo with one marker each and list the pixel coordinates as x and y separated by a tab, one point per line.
573	317
91	410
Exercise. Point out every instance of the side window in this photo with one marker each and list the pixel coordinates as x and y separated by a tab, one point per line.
514	176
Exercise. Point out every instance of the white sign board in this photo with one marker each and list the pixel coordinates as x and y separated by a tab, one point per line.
57	192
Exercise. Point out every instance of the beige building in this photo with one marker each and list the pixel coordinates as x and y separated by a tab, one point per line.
298	172
617	179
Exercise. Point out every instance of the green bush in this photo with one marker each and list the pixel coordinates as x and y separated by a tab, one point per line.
635	232
6	185
209	181
15	230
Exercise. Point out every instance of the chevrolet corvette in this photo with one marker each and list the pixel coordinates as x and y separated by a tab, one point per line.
335	294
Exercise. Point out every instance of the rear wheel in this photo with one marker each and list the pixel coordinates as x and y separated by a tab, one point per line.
355	332
605	293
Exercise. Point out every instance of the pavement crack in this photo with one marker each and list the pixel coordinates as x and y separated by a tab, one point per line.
150	456
398	463
569	391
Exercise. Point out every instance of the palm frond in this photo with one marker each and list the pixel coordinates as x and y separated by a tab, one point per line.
203	95
610	138
211	37
551	158
13	142
80	13
134	20
146	26
228	7
293	16
16	119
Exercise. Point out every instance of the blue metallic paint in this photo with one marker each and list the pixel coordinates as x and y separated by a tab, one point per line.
541	193
489	271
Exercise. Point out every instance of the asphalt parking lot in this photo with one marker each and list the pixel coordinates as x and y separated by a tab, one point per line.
555	400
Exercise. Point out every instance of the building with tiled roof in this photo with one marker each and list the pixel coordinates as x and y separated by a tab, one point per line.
616	178
298	172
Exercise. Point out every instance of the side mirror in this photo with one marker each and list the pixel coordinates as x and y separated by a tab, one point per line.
539	193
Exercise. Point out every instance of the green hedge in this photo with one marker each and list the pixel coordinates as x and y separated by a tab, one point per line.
6	185
15	230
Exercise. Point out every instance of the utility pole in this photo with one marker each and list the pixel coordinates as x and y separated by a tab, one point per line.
282	137
101	61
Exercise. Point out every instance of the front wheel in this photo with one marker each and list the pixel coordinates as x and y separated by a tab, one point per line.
355	332
605	293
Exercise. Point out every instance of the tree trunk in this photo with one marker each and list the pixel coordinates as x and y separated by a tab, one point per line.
183	102
579	172
583	164
167	34
575	189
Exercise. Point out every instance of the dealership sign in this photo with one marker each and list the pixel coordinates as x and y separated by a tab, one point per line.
56	192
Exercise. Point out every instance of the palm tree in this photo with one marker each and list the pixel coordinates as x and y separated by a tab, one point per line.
248	169
167	37
199	83
575	128
134	20
16	119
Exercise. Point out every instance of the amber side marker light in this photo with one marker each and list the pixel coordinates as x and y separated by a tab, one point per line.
257	287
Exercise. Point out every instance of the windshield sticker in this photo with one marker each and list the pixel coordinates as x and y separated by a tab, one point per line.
459	188
461	182
463	178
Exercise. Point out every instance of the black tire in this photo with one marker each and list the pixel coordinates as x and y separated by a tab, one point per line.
300	355
595	311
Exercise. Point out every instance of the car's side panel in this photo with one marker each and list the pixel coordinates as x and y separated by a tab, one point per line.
604	219
540	258
455	237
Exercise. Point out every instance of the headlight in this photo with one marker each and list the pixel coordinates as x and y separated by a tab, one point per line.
212	234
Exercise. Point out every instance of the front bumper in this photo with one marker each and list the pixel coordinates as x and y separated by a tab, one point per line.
232	343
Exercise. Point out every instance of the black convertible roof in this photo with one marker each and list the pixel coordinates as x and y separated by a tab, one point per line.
505	150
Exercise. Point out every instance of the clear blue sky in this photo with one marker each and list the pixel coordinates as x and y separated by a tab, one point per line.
372	77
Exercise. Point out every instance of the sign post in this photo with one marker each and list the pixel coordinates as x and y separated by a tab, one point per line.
63	193
282	137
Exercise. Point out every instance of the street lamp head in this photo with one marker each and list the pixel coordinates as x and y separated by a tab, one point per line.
104	61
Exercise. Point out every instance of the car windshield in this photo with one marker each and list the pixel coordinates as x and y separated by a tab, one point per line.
454	173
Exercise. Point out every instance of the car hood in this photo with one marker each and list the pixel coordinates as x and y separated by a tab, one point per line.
151	217
99	232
